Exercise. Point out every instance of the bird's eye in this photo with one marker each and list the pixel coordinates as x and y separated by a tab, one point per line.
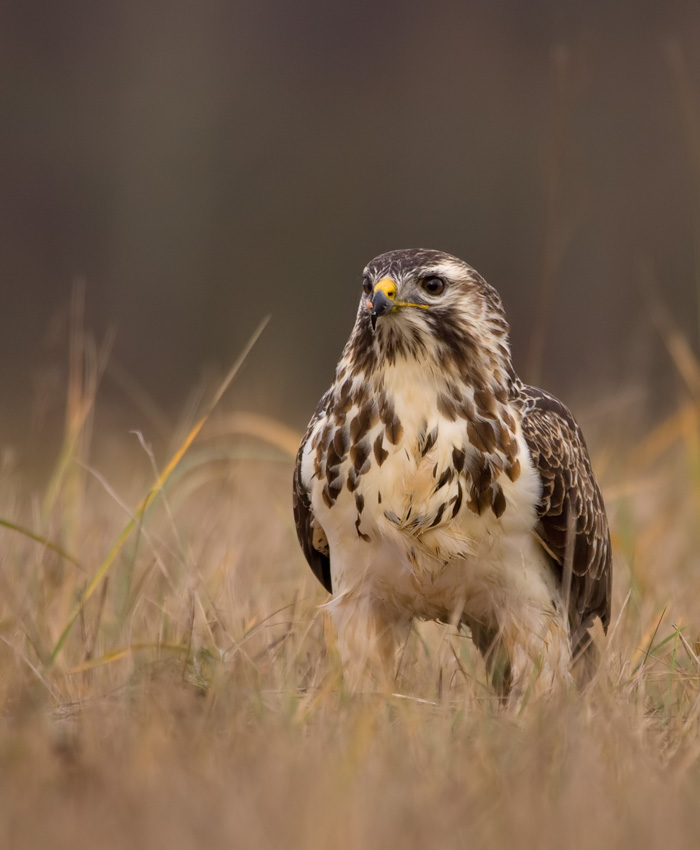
433	285
367	286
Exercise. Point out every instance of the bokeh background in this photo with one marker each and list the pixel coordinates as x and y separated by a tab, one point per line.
200	164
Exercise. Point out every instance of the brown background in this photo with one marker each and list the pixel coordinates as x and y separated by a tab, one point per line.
201	164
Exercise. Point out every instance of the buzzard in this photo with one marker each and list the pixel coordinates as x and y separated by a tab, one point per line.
433	483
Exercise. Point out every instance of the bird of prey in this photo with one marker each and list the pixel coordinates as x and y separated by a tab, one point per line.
432	483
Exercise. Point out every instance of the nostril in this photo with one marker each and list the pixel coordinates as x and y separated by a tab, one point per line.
386	288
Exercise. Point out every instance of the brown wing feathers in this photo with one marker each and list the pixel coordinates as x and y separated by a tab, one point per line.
572	525
318	558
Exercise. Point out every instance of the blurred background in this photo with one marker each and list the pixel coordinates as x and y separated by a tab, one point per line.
198	165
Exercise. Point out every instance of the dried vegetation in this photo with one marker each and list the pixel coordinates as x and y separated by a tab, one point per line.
167	677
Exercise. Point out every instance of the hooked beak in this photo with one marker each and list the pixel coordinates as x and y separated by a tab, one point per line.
381	305
384	301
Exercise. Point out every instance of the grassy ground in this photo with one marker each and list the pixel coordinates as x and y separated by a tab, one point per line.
167	677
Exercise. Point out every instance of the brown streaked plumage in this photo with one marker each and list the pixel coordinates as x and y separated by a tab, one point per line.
432	483
572	525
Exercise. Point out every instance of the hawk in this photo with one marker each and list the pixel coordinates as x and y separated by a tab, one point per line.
432	483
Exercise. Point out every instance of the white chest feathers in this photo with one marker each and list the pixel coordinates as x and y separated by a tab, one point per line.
421	484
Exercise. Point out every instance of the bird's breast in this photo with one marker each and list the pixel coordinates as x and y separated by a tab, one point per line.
417	457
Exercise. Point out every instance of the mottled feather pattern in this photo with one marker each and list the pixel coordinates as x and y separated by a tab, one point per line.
572	523
432	483
312	539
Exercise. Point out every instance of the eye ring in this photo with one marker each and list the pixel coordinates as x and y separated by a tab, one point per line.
433	285
366	286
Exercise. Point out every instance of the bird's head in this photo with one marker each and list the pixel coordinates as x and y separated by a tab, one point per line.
428	304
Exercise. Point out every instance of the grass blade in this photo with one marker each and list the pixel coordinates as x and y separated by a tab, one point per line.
146	501
37	538
125	652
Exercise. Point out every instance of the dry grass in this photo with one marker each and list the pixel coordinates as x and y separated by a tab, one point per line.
168	679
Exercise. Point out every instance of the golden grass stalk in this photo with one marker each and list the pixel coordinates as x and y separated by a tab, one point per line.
86	366
125	652
124	535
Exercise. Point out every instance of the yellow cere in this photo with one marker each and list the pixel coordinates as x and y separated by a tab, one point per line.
388	287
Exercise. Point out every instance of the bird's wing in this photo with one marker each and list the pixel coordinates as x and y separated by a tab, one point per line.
572	524
311	536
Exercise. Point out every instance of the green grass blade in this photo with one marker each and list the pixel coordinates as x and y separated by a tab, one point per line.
38	538
141	509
